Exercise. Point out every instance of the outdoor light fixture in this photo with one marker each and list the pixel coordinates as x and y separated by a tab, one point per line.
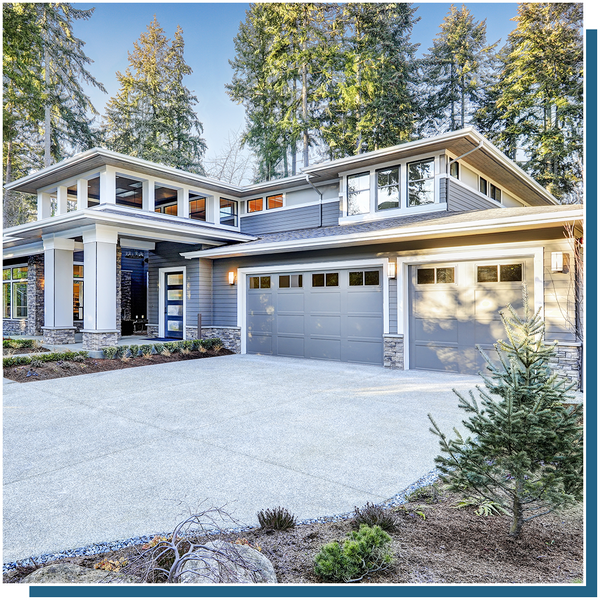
231	277
560	262
392	269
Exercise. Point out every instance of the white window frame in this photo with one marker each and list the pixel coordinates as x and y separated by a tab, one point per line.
11	281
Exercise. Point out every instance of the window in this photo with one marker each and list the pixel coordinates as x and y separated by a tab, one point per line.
388	188
363	278
325	279
129	192
483	185
72	198
228	212
165	200
14	292
197	207
495	193
421	182
263	282
290	281
254	205
454	170
93	192
430	275
77	292
502	273
359	197
275	201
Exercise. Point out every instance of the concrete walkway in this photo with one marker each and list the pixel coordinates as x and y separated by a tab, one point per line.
108	456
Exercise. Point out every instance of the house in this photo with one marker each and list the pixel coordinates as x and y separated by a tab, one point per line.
401	257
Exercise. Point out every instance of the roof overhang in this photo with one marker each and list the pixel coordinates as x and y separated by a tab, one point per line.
431	230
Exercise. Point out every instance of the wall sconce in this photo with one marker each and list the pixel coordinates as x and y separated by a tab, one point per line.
392	269
560	262
231	277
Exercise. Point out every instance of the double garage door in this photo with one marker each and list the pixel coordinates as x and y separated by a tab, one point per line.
331	315
455	307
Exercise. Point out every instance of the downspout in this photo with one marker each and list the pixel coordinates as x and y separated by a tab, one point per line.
478	147
320	198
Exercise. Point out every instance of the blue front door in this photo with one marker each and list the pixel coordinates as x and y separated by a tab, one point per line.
174	291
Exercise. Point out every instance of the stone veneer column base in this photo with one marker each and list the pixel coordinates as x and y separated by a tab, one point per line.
393	351
152	331
230	336
59	335
568	361
96	340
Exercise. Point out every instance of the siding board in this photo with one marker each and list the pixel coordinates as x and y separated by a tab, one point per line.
463	199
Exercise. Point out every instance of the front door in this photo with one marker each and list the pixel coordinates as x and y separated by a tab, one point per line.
174	305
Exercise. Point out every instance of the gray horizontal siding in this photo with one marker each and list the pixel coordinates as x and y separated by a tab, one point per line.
461	199
393	305
288	220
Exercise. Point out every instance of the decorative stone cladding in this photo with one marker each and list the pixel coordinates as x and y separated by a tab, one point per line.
59	335
126	295
14	326
393	351
96	340
568	361
35	294
119	254
230	336
152	331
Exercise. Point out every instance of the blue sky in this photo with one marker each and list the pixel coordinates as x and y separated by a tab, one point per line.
209	29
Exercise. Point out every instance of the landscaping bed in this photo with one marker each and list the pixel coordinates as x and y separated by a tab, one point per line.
434	542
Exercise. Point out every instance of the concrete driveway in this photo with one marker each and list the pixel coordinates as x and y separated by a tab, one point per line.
108	456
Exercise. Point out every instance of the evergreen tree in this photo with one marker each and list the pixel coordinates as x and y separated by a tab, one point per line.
537	103
454	72
152	115
526	453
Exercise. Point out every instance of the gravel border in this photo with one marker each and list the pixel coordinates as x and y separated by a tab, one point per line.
105	547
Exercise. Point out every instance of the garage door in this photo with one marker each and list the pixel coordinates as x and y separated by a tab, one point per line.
330	315
454	307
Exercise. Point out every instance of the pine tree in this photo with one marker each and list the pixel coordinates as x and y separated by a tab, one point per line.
526	453
537	103
454	71
152	115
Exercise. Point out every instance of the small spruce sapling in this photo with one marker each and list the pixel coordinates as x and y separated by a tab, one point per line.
526	453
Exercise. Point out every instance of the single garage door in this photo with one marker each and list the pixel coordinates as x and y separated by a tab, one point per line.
454	307
330	315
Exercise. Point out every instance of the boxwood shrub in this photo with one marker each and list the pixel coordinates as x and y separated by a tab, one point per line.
13	361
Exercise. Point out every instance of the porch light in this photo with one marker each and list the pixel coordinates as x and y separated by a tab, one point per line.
392	269
231	277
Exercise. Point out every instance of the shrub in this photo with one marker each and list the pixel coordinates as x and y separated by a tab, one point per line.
210	343
428	493
372	515
187	344
158	348
13	361
122	351
134	350
172	347
110	352
366	551
196	344
146	350
21	343
277	518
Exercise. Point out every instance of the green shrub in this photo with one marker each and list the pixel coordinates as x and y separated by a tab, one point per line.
110	351
121	351
277	518
158	347
427	493
134	350
366	551
196	344
372	515
13	361
187	344
146	349
210	343
172	347
11	343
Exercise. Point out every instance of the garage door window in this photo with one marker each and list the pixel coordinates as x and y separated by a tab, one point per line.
502	273
260	282
325	279
427	276
290	281
364	278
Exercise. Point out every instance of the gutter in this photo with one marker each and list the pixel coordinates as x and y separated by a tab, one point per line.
320	198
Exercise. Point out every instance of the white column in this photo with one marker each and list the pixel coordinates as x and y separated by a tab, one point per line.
61	200
108	186
183	203
100	279
44	205
58	281
82	194
148	195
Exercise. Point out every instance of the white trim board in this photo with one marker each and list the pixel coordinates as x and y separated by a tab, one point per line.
162	271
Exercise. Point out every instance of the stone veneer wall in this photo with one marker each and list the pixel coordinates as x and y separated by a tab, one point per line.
230	336
126	295
14	326
393	351
152	331
59	335
35	294
96	340
568	361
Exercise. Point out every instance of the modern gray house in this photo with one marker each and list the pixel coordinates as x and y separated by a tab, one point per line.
401	257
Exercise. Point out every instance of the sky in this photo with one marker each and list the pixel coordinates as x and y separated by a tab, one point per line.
208	31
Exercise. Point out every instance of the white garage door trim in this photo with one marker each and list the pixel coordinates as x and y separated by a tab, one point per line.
244	272
469	253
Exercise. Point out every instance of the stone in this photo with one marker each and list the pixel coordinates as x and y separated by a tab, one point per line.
96	340
230	336
237	564
59	335
72	573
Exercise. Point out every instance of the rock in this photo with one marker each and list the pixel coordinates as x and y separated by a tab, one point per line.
71	573
236	564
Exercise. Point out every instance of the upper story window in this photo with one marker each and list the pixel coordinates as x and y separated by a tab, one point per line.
275	201
254	205
454	170
359	197
93	192
421	182
483	185
72	198
165	200
129	192
14	292
495	193
228	212
388	188
197	207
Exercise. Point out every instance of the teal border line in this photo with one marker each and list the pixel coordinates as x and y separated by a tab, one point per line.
589	590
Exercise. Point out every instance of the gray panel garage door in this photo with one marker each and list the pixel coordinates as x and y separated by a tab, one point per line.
454	307
329	315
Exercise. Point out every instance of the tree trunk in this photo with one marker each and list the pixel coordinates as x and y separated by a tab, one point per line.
47	121
8	172
517	512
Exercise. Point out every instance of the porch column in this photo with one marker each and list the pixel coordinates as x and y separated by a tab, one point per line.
44	205
108	186
82	194
61	200
183	204
148	195
99	288
58	290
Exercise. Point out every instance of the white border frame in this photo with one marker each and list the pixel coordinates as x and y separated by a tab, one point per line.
162	272
243	273
464	253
